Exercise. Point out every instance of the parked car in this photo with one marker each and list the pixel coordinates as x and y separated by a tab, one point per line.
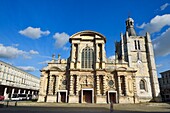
2	98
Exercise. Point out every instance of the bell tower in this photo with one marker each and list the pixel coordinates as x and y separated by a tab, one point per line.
137	51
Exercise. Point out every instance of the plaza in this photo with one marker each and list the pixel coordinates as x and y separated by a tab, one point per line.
29	107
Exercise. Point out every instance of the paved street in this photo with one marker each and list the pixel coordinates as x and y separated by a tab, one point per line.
34	107
56	110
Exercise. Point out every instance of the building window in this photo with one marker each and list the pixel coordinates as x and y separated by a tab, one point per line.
142	84
87	57
138	45
135	44
122	83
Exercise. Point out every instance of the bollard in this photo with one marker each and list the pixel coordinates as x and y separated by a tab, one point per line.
7	103
15	103
111	107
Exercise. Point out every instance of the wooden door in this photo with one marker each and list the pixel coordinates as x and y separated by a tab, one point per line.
112	97
63	96
87	96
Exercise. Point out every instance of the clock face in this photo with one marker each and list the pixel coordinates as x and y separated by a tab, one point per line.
139	62
111	83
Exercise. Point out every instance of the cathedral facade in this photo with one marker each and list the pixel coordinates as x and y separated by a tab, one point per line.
87	76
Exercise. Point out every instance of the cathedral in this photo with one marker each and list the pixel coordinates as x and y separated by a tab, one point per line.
87	76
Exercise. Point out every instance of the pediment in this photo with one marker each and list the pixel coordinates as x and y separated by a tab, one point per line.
55	68
122	68
87	35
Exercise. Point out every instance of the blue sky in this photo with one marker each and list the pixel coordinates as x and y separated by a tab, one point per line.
32	30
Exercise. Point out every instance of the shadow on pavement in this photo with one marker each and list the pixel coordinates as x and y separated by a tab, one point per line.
34	109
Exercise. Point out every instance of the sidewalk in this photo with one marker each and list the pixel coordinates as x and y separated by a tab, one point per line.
144	107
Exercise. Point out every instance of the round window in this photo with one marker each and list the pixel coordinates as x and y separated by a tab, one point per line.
64	82
111	83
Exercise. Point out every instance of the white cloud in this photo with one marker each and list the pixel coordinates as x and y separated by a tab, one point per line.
13	52
65	48
164	6
156	24
25	56
27	68
159	65
161	44
61	39
141	26
112	57
32	52
10	51
44	62
33	33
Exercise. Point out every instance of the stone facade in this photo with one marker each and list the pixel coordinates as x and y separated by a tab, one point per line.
87	76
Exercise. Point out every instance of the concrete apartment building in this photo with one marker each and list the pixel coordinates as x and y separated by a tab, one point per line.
87	76
164	83
14	80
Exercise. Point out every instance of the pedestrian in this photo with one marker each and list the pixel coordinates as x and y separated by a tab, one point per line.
111	107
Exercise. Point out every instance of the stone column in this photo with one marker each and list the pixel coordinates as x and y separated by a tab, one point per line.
12	92
41	85
19	91
50	86
24	91
28	92
104	85
79	55
45	87
5	91
134	89
72	52
119	86
71	84
77	84
56	84
125	85
103	53
32	92
97	57
97	81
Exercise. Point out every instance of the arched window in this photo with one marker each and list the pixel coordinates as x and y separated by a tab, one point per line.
87	57
142	85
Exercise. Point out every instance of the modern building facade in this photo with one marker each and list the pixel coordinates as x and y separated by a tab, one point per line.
16	81
164	83
87	76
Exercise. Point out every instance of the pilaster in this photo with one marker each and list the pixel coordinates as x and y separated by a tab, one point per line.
104	85
97	83
77	84
119	86
71	85
97	57
56	84
78	56
125	84
103	53
50	86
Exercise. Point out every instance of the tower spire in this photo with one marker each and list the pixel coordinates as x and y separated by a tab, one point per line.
130	26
